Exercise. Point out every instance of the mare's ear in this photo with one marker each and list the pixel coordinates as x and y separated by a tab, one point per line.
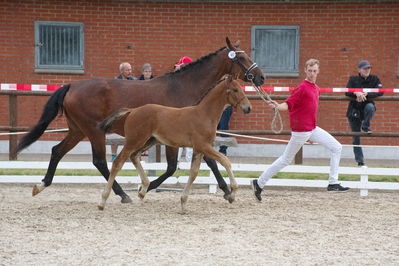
229	44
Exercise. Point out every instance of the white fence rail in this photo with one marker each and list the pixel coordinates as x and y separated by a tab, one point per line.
363	172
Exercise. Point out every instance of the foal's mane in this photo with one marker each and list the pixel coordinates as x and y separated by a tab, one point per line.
196	62
209	89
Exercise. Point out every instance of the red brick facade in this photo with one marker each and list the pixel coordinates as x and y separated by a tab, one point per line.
161	32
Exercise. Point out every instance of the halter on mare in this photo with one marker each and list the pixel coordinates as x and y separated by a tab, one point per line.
233	56
249	78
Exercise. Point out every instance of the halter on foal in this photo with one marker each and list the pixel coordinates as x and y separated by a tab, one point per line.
193	126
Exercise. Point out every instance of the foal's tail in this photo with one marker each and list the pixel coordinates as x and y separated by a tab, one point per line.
53	106
106	124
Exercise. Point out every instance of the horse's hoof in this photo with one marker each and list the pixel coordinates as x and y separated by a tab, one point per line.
101	208
142	192
227	196
141	195
183	212
230	198
35	190
126	199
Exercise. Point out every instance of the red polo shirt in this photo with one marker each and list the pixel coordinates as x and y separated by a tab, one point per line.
303	105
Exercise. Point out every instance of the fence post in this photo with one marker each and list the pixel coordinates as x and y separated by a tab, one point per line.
12	112
364	179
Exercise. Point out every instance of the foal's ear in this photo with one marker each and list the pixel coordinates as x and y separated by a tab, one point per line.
229	78
229	44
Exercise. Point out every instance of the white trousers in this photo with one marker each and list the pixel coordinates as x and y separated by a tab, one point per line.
297	140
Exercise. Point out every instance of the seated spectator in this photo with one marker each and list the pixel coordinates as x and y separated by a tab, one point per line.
125	73
146	72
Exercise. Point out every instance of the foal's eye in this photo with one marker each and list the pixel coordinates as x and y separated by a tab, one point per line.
235	90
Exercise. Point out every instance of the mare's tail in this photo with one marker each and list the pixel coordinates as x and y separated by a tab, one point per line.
106	124
53	106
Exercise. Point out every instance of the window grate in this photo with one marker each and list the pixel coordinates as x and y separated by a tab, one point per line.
276	48
59	45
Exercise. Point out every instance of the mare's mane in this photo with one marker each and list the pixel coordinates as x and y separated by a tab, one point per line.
196	62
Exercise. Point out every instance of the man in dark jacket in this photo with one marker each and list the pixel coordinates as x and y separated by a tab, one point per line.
362	108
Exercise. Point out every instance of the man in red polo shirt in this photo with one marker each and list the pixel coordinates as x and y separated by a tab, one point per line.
302	106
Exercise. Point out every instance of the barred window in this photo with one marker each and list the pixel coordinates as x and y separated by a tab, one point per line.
59	47
276	49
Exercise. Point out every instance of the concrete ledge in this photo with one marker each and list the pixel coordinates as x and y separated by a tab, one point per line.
219	141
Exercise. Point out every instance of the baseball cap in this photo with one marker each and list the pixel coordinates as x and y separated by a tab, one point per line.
364	64
184	60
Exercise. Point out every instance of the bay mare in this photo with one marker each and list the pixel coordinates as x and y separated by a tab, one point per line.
193	126
85	103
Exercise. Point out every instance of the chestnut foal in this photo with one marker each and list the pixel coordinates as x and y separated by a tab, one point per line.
193	126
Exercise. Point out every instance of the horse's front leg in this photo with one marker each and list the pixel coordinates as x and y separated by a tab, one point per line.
57	152
116	167
195	165
210	152
171	158
219	178
99	161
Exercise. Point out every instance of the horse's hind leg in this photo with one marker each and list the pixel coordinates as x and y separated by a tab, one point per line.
135	158
145	182
210	152
116	167
219	178
171	158
73	137
195	165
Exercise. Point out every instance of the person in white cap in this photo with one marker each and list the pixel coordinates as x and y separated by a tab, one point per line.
362	109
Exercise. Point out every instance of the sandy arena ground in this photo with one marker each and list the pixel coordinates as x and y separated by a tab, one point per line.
62	226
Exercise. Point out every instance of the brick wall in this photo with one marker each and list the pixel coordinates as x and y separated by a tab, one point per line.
161	32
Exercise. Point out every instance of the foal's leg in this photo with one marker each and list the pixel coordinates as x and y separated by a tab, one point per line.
73	137
171	158
116	167
210	152
145	182
97	140
222	184
195	165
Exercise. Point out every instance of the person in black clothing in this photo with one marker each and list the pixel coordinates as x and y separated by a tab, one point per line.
362	109
224	125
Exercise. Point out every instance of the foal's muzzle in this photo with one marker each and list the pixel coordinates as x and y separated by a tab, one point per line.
246	108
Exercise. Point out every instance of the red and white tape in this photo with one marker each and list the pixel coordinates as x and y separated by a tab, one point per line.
395	90
28	87
34	87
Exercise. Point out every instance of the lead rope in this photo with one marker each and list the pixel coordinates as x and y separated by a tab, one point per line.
276	116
